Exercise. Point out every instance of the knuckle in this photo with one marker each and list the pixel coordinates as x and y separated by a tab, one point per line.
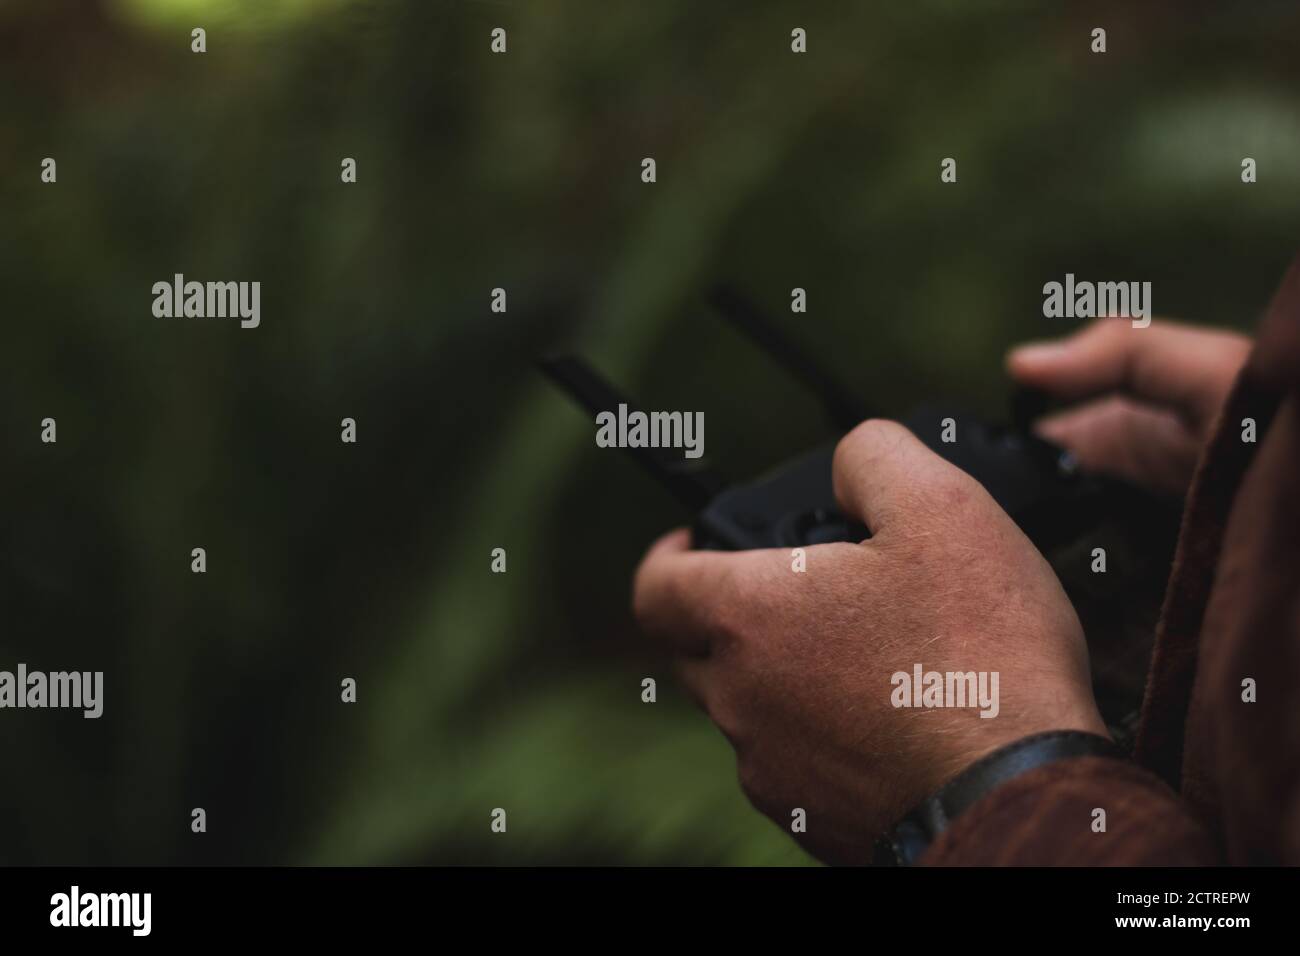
759	788
727	615
950	500
727	721
750	780
641	601
843	453
721	622
647	600
951	489
866	436
643	584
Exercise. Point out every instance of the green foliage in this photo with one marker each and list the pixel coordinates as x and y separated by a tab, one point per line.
522	171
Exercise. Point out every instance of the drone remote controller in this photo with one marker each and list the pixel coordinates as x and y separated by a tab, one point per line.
1038	484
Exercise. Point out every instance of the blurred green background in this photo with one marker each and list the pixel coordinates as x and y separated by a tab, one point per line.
326	560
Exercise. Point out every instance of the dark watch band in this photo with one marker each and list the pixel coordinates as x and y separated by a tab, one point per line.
905	843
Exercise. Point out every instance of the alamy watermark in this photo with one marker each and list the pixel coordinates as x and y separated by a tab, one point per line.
75	908
59	689
624	429
922	688
211	300
1091	300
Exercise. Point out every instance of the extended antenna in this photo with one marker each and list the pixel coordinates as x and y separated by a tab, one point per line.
841	406
691	481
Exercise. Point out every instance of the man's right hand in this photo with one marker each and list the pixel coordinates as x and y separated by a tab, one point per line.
1152	395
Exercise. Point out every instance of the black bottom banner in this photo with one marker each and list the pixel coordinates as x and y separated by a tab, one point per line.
88	905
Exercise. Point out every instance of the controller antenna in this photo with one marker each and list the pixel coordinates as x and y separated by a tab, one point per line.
842	407
691	481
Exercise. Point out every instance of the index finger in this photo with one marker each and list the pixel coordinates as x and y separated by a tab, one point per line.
1165	363
676	592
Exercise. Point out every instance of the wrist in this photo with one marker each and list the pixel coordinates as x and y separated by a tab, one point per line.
965	749
903	843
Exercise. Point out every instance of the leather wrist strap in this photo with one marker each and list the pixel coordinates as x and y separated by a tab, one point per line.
912	835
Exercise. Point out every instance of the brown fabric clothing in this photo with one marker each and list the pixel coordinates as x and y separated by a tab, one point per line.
1215	779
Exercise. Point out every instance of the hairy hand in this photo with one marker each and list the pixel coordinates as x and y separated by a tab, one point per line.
1153	394
795	667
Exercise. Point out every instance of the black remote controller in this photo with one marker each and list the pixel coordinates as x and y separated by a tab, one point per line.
1038	484
794	505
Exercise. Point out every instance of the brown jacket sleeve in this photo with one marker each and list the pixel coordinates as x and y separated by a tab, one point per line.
1046	817
1219	720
